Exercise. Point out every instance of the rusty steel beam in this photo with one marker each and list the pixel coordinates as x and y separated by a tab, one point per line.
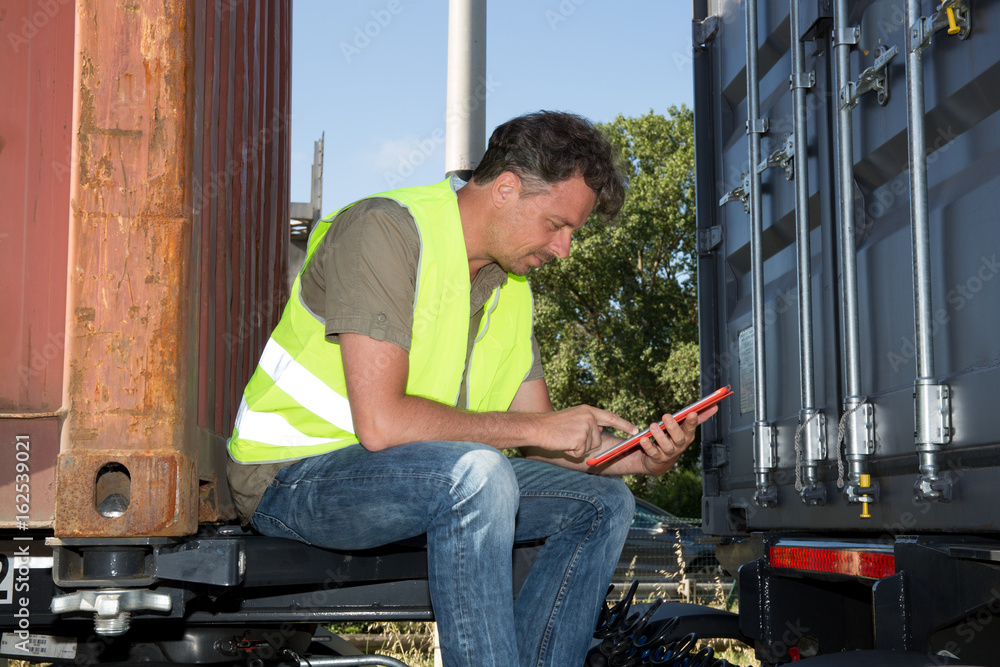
129	311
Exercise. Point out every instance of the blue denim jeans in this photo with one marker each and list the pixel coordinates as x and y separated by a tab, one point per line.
474	504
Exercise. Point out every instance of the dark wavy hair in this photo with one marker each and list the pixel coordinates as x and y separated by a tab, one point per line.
547	147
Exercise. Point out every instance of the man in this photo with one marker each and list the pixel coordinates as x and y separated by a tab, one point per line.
405	360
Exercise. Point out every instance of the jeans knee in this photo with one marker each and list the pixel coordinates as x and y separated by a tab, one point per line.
616	503
483	475
620	499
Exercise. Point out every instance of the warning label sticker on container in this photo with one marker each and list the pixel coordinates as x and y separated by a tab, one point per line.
38	646
746	352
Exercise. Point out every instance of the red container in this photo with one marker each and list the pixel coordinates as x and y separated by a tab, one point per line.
144	241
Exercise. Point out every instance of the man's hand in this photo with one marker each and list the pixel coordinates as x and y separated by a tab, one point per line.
658	453
576	431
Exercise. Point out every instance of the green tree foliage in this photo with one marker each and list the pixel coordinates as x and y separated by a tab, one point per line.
617	321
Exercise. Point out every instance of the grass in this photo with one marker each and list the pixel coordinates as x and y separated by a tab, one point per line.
397	636
408	642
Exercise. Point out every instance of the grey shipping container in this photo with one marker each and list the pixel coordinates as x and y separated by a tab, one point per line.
849	284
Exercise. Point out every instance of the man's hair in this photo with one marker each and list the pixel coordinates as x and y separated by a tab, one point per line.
547	147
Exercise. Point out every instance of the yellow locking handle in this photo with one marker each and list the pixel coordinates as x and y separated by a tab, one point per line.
953	28
865	482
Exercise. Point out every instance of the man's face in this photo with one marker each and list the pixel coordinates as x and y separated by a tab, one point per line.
535	229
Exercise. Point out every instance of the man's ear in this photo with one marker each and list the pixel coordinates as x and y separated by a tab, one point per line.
505	188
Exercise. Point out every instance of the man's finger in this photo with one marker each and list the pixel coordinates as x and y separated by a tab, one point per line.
674	430
705	414
605	418
671	440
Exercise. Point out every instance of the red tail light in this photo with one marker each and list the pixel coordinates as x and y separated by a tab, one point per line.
865	564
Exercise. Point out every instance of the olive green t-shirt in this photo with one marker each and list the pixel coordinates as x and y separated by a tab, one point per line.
362	279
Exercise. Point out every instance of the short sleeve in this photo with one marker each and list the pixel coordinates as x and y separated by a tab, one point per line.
536	370
368	272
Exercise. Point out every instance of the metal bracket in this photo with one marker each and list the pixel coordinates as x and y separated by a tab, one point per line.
850	36
739	193
765	446
716	454
862	421
813	496
783	157
813	433
874	78
702	32
765	434
932	413
766	497
938	488
220	562
855	493
758	126
802	80
707	240
953	15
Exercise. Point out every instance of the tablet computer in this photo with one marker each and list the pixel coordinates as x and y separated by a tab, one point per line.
697	406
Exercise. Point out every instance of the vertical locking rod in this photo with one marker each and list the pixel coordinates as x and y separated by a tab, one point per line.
858	444
811	422
932	429
766	494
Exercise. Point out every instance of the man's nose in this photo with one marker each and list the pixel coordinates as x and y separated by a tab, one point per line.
560	246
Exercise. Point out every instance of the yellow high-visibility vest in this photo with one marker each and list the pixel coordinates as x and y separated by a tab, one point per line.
295	404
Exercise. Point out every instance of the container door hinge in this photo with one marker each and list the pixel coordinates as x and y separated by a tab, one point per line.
703	32
874	78
715	454
707	240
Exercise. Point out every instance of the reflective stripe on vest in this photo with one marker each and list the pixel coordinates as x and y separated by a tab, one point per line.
295	404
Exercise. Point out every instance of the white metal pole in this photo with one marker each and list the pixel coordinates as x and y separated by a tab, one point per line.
465	115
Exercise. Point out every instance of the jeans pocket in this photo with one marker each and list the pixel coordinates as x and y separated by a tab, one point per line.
272	527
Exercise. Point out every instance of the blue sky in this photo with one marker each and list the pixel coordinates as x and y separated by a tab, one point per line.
371	75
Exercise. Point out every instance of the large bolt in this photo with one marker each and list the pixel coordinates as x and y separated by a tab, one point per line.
112	627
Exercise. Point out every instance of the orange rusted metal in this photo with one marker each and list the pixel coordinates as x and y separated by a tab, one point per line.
145	165
130	234
161	493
